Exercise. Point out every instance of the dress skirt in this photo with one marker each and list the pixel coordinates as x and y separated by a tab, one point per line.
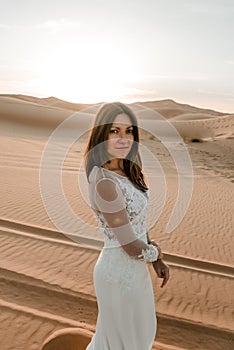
126	309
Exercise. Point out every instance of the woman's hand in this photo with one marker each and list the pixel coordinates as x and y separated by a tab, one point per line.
162	271
160	267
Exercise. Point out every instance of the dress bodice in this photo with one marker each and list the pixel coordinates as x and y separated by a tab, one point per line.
136	204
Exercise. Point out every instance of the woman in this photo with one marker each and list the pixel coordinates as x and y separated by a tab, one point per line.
119	198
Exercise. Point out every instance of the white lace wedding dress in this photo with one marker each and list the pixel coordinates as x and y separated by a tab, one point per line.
126	310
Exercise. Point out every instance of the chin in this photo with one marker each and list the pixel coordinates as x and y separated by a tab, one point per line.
122	155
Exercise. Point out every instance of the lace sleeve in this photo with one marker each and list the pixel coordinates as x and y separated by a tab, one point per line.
110	202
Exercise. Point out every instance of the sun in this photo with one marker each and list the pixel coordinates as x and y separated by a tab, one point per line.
86	74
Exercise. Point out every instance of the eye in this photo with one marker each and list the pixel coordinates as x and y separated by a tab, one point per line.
130	131
113	131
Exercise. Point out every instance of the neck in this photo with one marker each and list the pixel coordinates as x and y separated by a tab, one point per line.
115	164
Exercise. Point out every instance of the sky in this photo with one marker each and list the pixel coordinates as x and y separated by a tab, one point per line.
126	50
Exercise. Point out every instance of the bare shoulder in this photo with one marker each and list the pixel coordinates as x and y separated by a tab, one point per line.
107	188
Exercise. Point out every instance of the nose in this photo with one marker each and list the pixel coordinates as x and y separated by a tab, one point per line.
122	137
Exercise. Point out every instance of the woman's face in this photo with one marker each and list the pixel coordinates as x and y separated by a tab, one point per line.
120	137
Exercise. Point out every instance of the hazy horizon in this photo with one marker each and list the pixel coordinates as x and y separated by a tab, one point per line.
137	101
93	51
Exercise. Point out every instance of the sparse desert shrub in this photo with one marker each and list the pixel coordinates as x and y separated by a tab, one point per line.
195	140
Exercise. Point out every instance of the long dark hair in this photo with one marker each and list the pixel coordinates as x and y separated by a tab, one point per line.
96	150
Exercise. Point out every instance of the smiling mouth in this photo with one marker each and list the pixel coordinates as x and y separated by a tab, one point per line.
122	148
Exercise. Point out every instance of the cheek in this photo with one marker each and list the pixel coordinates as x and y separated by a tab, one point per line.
111	142
131	138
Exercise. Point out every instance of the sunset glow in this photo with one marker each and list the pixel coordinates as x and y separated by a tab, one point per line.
102	51
94	73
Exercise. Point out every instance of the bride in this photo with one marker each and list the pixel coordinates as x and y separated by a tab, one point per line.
119	198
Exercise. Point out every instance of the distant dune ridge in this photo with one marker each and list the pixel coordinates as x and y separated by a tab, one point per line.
191	122
47	296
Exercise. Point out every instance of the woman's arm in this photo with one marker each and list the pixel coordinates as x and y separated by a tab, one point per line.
161	268
110	202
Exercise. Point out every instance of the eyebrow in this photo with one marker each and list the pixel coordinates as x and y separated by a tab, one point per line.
113	126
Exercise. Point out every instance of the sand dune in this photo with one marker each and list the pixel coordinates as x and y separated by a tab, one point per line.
47	297
169	108
30	113
202	126
49	101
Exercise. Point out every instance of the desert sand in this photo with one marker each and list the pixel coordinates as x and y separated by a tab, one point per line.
47	257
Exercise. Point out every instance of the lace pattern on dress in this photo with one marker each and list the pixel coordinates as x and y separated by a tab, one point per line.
136	203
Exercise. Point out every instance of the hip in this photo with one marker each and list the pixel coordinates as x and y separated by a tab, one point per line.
114	266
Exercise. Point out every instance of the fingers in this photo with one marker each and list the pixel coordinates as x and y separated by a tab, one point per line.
140	257
165	276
